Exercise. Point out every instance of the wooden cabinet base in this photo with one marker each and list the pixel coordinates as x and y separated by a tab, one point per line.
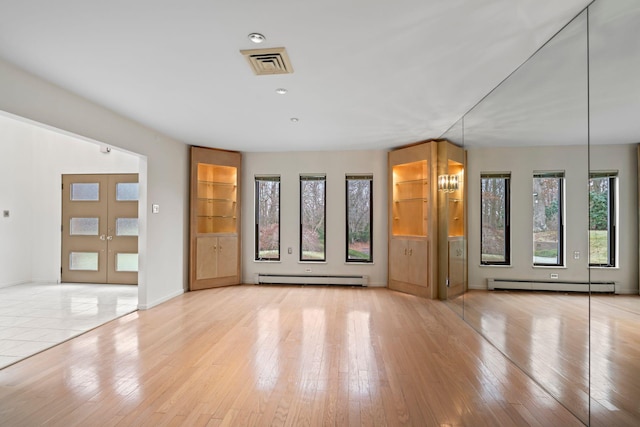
410	288
218	282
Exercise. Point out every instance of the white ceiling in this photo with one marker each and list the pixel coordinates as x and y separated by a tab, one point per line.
368	74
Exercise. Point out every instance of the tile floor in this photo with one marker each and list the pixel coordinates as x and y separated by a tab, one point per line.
36	316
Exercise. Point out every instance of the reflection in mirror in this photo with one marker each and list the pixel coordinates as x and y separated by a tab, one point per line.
453	284
527	145
614	82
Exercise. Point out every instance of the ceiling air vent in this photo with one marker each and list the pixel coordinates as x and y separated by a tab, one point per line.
268	61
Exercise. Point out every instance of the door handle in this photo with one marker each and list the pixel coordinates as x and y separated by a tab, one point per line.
103	237
109	237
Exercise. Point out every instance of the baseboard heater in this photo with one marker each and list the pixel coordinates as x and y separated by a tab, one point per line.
551	285
308	279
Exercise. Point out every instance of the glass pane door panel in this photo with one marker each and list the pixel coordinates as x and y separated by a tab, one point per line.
87	261
126	226
85	192
84	226
126	262
127	191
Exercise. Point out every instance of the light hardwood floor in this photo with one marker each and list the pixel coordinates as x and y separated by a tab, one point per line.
574	345
270	355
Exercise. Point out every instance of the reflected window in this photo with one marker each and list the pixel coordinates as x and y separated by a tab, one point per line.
602	219
495	218
267	218
548	218
359	218
312	217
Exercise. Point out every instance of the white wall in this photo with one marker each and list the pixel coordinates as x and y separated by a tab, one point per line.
16	231
335	165
163	172
522	162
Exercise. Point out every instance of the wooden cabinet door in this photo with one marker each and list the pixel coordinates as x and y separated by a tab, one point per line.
227	256
418	261
398	260
457	258
206	254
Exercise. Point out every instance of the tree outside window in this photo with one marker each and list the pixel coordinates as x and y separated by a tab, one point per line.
312	217
602	219
267	218
495	219
359	218
548	223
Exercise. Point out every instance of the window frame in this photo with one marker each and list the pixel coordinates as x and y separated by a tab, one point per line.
560	175
506	176
359	177
257	180
612	219
313	177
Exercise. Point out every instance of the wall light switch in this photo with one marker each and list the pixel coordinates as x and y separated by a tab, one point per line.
5	214
290	251
155	208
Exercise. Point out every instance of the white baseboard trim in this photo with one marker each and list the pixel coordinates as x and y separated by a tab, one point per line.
8	284
160	300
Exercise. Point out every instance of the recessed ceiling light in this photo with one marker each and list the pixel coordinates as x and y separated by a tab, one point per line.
295	119
281	91
257	37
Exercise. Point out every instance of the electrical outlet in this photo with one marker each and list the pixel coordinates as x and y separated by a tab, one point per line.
290	251
307	270
5	214
155	209
576	255
554	275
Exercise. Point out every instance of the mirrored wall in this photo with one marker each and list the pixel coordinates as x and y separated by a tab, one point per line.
552	215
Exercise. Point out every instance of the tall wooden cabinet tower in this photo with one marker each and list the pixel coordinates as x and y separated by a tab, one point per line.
452	242
214	218
427	244
412	219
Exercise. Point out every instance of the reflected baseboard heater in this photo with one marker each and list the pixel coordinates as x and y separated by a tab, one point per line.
308	279
551	285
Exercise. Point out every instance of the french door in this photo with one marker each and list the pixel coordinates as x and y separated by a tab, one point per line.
100	228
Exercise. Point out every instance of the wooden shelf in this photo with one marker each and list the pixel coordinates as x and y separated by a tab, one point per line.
206	199
413	181
231	184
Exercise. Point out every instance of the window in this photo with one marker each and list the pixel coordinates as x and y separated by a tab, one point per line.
602	219
267	218
548	222
495	219
359	218
313	192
